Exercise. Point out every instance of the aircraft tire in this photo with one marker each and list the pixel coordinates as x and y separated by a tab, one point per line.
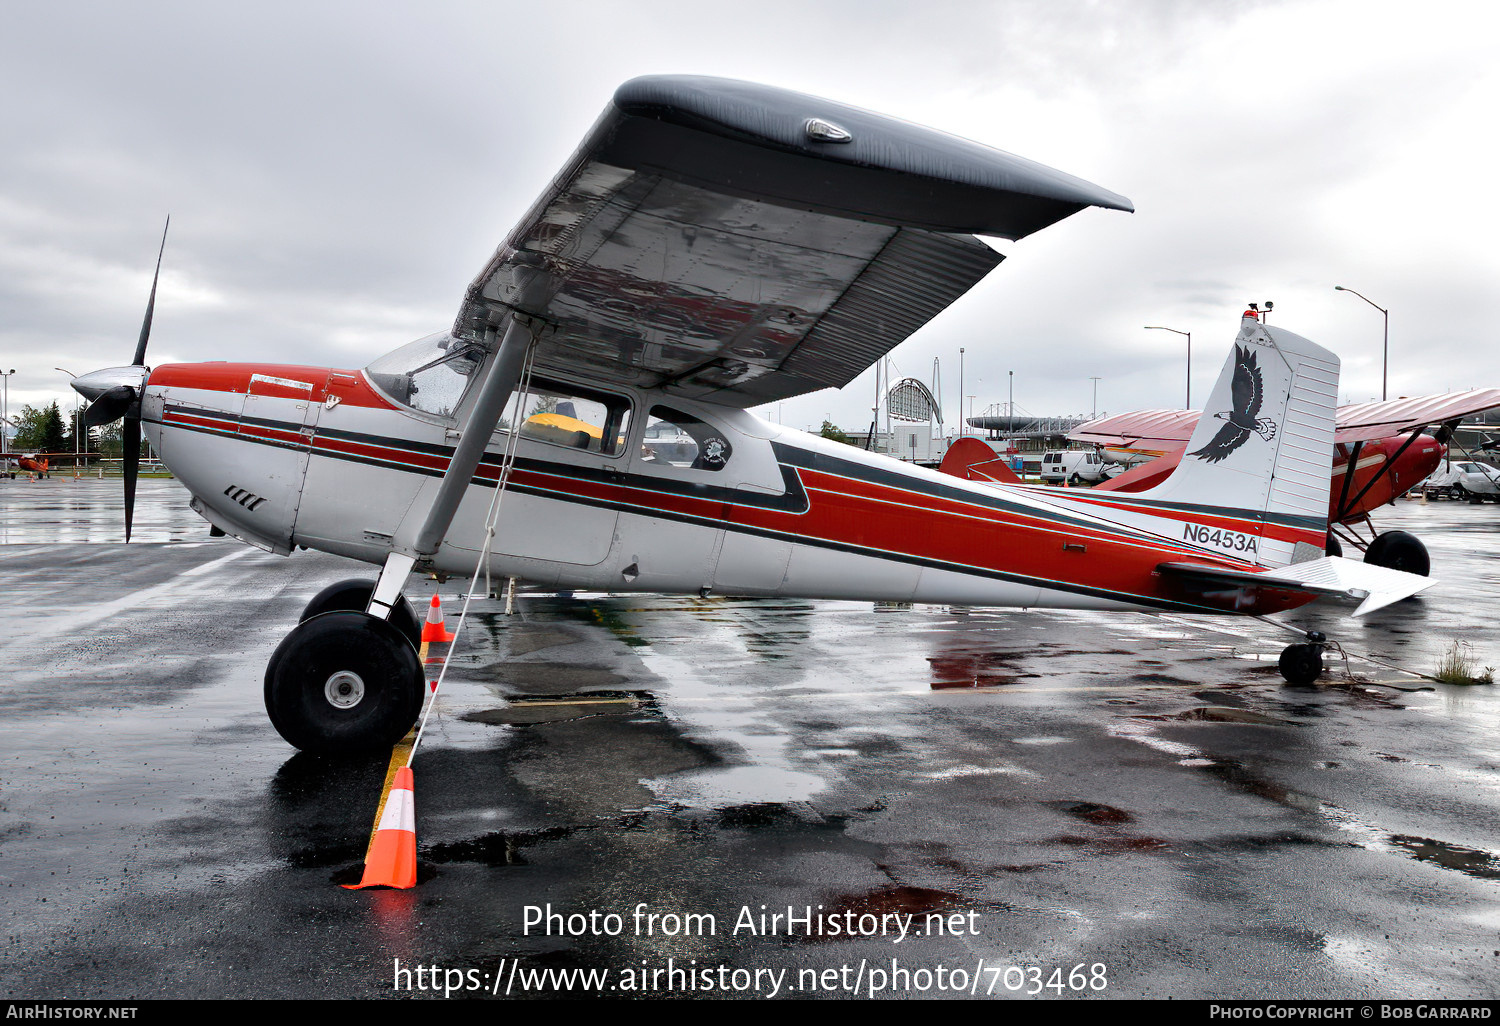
344	683
1397	550
354	594
1301	664
1332	547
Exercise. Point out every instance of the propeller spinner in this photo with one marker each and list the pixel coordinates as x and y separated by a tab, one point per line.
116	392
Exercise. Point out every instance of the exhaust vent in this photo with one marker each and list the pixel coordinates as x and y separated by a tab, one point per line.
250	501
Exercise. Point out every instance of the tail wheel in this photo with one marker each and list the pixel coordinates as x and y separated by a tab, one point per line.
354	596
344	683
1397	550
1301	664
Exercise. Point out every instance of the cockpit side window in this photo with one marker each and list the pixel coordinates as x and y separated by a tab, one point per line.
676	439
575	418
429	375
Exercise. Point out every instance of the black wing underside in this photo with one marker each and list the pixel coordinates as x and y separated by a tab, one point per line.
701	240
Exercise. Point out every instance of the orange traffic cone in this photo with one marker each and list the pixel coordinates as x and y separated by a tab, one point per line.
433	629
392	860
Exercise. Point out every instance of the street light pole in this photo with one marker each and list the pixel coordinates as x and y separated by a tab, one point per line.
5	408
1189	335
962	424
1385	344
1094	413
77	419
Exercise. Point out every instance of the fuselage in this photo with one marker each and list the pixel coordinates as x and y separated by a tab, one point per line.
668	494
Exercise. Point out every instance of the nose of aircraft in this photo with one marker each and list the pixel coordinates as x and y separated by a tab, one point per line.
111	391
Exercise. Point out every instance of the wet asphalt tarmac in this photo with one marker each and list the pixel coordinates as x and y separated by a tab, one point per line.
1138	802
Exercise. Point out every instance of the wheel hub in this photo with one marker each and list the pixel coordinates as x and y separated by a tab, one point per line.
344	690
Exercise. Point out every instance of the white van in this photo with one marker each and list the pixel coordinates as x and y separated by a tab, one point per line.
1074	466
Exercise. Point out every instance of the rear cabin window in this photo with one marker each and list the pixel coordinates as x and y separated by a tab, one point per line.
676	439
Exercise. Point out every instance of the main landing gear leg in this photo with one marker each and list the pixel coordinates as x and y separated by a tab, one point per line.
348	680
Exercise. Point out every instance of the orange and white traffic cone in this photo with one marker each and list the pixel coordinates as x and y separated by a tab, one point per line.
433	629
392	859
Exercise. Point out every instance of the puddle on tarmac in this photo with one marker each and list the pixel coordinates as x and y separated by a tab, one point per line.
865	910
1228	714
525	710
550	678
1115	845
976	670
1469	861
760	814
1093	812
493	849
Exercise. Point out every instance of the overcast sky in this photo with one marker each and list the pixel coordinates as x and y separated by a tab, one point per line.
338	172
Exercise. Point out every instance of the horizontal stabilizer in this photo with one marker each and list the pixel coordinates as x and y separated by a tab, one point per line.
1376	586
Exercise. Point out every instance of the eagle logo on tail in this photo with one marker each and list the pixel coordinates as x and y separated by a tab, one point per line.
1247	392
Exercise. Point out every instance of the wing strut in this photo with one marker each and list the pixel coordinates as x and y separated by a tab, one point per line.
499	383
1344	508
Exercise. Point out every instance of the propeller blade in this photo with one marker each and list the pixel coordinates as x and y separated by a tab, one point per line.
131	436
140	347
110	406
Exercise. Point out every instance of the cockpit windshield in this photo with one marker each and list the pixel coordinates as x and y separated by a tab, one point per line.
430	374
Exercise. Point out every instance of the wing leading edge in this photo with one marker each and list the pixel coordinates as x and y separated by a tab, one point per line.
723	240
1170	429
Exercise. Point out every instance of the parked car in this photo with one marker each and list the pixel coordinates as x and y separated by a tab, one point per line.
1464	479
1074	466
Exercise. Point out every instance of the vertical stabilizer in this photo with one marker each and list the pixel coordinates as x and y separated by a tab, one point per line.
1263	448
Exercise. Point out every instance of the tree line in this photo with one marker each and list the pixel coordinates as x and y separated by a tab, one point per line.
43	429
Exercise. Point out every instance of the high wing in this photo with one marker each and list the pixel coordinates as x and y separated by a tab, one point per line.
742	244
1170	429
1364	421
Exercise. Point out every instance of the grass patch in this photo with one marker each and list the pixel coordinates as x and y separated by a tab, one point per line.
1457	666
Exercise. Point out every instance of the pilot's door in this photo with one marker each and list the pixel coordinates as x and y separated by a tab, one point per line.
561	504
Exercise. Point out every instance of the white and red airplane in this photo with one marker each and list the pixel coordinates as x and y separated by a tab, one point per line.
712	246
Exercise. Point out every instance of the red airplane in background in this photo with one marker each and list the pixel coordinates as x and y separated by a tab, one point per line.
1387	443
32	463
